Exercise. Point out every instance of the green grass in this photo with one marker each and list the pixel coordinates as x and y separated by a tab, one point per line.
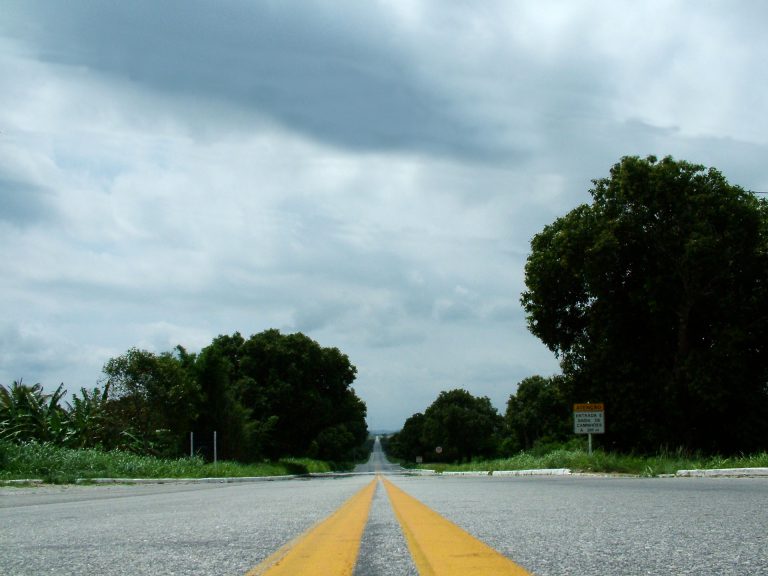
605	462
62	465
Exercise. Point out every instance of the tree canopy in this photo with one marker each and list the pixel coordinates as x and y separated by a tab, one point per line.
456	426
281	394
655	298
538	412
153	398
268	396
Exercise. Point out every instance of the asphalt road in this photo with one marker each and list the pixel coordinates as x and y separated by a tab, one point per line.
606	526
383	549
378	463
551	526
169	529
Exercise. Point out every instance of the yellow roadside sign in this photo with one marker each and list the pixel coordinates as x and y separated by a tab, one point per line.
596	407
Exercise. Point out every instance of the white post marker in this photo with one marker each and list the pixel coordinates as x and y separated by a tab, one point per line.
589	419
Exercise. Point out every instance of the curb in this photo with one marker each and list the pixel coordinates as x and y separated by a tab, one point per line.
218	479
724	473
210	480
223	480
215	480
704	473
532	472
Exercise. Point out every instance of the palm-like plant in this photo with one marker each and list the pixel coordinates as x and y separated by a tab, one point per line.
87	419
28	413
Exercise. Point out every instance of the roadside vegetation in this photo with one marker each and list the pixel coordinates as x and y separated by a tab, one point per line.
654	297
275	404
265	398
57	465
579	460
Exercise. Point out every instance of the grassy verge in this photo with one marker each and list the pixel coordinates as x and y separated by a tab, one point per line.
599	461
61	465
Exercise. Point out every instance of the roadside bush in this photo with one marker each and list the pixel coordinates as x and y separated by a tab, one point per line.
58	465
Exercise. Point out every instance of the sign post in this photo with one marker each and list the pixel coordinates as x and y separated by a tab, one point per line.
589	419
215	454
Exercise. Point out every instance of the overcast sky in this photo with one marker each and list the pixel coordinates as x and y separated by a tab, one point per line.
367	173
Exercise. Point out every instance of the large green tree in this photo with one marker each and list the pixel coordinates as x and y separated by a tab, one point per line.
408	443
281	394
655	297
539	411
462	426
270	395
221	408
153	399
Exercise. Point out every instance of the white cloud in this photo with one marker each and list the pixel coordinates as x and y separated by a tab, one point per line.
371	178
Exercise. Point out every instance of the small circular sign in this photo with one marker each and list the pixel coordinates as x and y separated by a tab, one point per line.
439	449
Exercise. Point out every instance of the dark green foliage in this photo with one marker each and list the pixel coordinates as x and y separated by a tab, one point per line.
408	444
272	395
89	424
280	395
538	413
462	426
28	413
55	464
655	297
221	410
153	399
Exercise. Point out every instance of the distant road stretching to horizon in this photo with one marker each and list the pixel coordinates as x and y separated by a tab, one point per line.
381	520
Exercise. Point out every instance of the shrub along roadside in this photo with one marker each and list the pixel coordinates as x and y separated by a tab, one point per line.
609	462
58	465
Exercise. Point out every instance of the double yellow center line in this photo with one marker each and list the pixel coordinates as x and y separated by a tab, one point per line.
331	545
438	546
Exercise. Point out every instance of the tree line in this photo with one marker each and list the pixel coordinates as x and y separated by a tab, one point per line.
460	427
267	396
654	297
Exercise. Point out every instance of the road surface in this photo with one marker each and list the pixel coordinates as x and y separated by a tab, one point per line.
378	463
546	525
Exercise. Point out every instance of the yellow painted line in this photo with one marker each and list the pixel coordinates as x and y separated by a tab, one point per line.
330	547
441	548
